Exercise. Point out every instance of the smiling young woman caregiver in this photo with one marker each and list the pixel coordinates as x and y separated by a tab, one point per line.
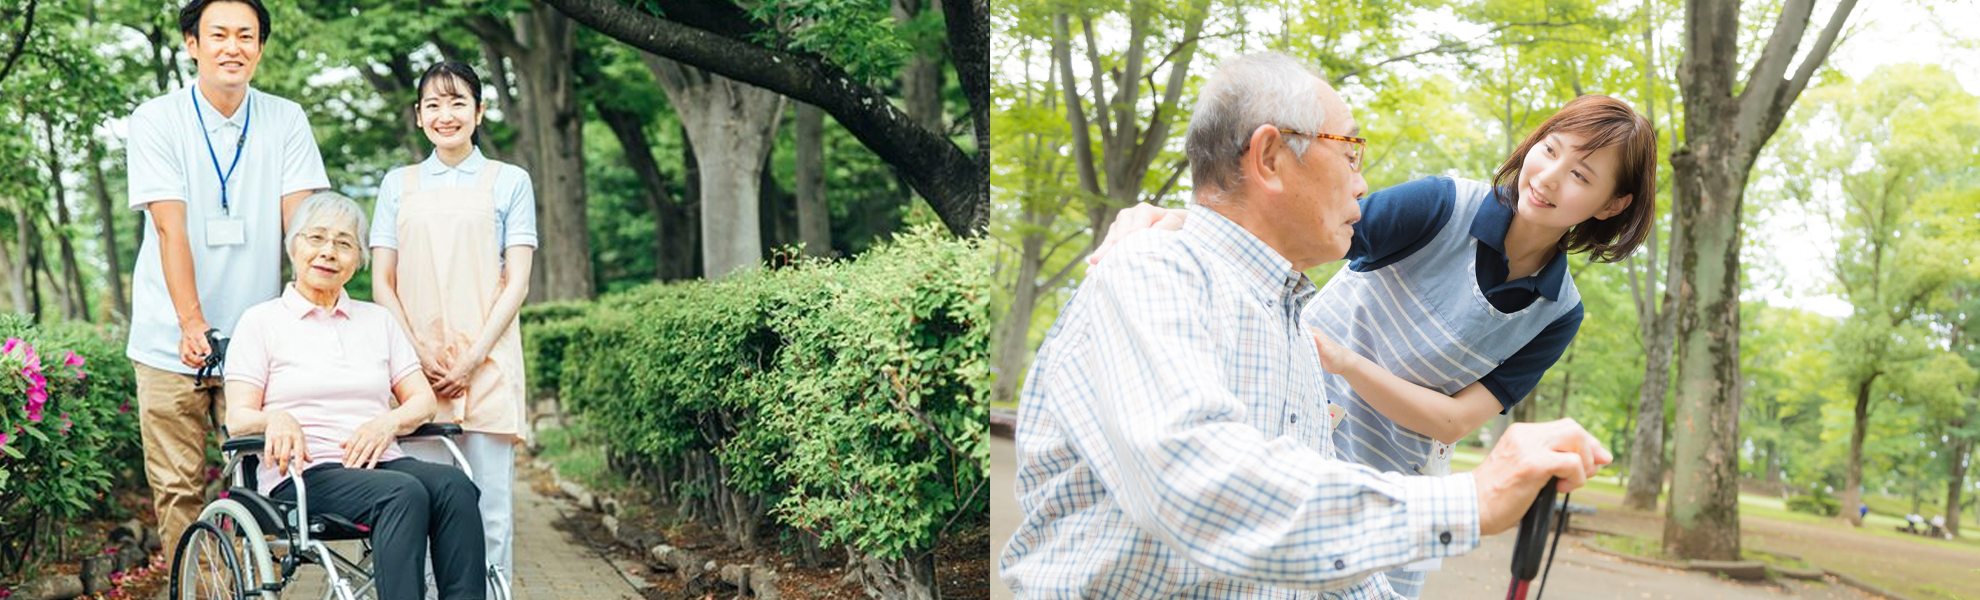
451	241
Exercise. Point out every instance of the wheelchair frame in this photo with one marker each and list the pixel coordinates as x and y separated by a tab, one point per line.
238	515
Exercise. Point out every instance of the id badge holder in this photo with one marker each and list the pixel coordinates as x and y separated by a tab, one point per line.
226	231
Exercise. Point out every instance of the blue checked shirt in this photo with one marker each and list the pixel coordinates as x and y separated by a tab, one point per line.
1173	441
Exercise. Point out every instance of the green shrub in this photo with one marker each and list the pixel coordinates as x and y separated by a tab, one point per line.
845	400
70	436
1814	504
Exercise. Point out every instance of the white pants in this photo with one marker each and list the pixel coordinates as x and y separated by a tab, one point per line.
492	458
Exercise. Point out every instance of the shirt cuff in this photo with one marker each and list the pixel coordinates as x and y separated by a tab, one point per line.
1443	515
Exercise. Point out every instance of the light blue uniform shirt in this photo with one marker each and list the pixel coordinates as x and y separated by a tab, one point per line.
168	159
515	200
1173	442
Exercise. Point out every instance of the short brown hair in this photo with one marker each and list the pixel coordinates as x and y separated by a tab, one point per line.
1602	121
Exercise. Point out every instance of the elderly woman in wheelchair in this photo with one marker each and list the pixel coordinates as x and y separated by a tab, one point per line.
312	378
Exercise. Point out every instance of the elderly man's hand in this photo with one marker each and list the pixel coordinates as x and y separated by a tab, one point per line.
1140	216
283	442
1524	459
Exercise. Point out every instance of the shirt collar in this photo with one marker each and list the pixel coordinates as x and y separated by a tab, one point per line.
1490	225
1266	272
300	307
214	121
471	165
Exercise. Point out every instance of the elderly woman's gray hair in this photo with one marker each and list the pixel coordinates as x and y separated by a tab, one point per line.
333	210
1257	89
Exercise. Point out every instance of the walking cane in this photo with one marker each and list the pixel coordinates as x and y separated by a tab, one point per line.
1532	540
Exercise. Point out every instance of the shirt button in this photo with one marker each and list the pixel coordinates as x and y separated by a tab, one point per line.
1444	537
1339	564
1295	417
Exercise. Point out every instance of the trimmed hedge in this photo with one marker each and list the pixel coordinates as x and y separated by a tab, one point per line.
847	400
70	434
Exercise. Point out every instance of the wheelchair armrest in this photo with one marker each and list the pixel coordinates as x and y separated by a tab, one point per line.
244	443
434	430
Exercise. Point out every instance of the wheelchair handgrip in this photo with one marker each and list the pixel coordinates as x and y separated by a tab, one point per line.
434	430
243	443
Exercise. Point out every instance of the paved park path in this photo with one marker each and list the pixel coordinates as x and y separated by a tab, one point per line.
550	563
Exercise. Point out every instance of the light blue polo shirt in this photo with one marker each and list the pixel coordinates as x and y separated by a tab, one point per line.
515	200
167	158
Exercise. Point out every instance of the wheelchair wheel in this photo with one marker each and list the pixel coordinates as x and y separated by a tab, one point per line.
249	544
204	566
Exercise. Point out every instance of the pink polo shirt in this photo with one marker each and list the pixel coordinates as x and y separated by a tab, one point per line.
333	370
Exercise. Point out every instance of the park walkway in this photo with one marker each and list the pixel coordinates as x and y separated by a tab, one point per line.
550	563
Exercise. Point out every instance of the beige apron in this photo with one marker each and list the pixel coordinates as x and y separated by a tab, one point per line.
448	284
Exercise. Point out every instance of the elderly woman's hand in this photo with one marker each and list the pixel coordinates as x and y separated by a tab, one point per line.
284	441
369	442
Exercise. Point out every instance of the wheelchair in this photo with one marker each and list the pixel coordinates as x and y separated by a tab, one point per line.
249	546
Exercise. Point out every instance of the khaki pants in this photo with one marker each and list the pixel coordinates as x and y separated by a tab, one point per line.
176	414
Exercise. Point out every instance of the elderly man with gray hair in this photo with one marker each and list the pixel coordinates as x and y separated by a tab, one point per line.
317	374
1171	443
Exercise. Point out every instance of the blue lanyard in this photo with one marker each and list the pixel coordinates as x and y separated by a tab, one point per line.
239	144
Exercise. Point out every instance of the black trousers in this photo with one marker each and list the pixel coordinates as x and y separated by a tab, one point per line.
407	504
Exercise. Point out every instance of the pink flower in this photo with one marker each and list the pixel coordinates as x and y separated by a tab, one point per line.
9	347
66	424
125	407
72	360
3	442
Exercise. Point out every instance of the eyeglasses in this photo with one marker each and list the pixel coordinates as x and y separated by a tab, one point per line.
1354	156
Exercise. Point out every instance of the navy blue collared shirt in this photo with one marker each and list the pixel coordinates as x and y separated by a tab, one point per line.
1399	221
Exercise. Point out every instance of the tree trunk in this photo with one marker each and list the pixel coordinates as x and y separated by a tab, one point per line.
686	231
813	214
1567	384
1853	471
1956	482
76	301
732	125
538	44
1646	451
921	77
1727	126
14	282
776	208
1773	463
910	578
957	184
120	301
1702	517
1014	342
630	129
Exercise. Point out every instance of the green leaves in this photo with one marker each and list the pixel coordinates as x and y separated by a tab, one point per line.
87	443
849	396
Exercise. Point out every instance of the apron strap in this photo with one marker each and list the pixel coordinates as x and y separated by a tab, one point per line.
412	180
486	182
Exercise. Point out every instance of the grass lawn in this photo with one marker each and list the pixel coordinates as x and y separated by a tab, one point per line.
1772	508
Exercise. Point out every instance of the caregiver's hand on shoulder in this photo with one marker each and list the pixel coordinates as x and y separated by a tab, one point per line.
1526	457
1334	357
1140	216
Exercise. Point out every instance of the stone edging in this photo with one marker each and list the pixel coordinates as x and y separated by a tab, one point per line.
1737	568
757	580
